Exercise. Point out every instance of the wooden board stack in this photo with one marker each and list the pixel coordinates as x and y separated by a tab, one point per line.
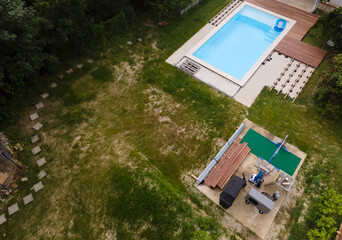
225	168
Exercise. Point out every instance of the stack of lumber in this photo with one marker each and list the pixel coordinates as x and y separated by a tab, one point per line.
225	168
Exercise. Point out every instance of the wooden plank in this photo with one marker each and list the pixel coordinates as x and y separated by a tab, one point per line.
301	51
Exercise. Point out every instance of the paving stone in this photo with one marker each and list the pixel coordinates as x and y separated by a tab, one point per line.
53	85
34	116
41	174
27	199
129	43
79	66
37	126
38	186
41	161
61	76
35	138
13	209
36	150
140	40
44	95
70	71
39	105
2	219
90	60
24	179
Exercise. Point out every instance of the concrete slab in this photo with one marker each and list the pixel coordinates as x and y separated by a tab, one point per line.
35	138
44	95
90	60
2	219
27	199
305	5
36	150
38	186
39	105
13	209
37	126
79	66
53	85
214	80
41	174
180	53
34	116
40	162
264	76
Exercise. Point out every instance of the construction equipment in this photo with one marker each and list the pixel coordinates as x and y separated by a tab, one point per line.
257	179
260	201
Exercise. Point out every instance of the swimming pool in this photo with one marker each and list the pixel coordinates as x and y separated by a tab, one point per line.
236	49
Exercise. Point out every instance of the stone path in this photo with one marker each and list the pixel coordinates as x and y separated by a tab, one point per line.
13	209
40	162
41	174
80	66
36	150
39	105
35	138
53	85
27	199
2	219
37	126
44	95
38	186
34	116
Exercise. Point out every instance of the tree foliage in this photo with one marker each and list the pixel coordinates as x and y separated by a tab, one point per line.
323	214
328	97
21	49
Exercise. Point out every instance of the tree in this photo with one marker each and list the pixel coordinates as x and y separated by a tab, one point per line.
21	50
64	27
322	215
328	97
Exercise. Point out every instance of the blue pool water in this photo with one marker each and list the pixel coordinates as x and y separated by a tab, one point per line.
236	47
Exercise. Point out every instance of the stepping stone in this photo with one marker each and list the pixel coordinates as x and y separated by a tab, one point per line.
44	95
36	150
79	66
35	138
27	199
53	85
70	71
120	76
90	60
24	179
61	76
40	162
39	105
13	209
37	126
34	116
140	40
38	186
129	43
2	219
41	174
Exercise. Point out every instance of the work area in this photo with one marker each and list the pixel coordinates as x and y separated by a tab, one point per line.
251	176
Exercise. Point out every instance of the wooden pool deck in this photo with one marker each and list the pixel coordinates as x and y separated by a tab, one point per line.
291	45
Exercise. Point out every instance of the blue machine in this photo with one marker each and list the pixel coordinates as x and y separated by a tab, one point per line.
257	179
280	25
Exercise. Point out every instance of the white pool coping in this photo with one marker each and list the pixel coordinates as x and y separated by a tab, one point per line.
189	54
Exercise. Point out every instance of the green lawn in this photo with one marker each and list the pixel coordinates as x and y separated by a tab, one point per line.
121	141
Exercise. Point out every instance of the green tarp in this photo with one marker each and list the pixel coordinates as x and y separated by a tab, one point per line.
262	147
